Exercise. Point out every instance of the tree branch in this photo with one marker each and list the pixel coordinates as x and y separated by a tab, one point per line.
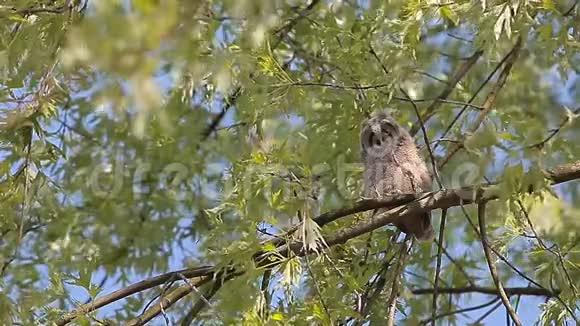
290	24
229	102
200	273
414	203
455	79
201	303
330	85
440	244
39	10
376	284
489	100
392	302
492	270
476	93
459	311
236	93
492	291
425	138
554	132
164	302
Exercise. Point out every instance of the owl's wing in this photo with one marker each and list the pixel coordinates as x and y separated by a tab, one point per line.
419	225
426	180
416	177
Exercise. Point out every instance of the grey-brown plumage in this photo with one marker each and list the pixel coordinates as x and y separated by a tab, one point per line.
392	165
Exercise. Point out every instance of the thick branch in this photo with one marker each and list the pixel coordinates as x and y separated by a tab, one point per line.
180	292
135	288
201	303
440	199
164	303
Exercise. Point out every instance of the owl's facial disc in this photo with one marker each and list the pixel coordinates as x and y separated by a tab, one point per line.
380	135
379	138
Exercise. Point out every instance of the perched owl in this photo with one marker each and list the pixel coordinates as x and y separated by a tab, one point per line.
392	165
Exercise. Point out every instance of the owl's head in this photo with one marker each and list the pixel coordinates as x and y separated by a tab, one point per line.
379	134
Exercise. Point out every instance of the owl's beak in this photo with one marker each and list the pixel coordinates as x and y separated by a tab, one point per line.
376	129
378	136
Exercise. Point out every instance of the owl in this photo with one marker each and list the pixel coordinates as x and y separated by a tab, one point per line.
392	165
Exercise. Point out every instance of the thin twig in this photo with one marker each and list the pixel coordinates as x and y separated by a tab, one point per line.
330	85
520	273
489	100
404	99
194	288
518	300
392	301
459	311
460	268
229	102
532	291
476	93
425	139
556	252
202	302
429	75
554	132
491	265
34	11
265	293
290	24
452	83
318	290
487	313
440	245
463	39
569	11
377	283
374	53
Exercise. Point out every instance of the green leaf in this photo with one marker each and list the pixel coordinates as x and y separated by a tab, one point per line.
277	316
448	13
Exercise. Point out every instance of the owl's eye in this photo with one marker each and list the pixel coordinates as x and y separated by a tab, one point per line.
387	129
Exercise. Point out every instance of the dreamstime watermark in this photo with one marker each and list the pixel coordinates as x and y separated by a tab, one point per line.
176	179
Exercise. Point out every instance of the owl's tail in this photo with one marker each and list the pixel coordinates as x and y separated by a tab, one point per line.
427	234
418	226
